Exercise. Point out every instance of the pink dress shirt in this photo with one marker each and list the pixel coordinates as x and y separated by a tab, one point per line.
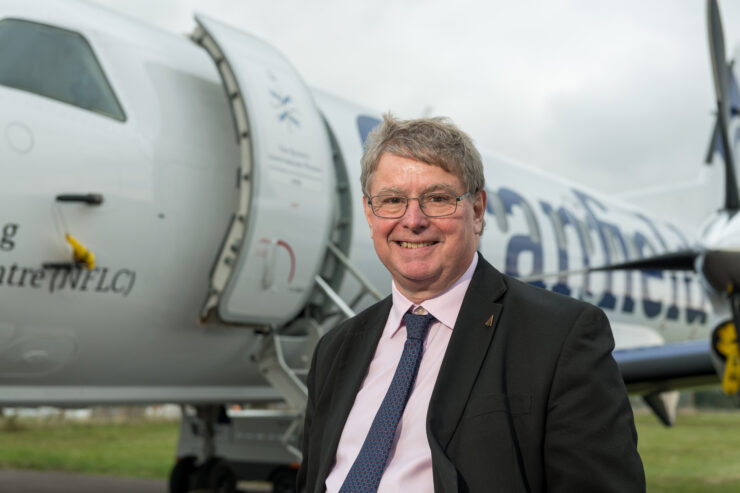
409	466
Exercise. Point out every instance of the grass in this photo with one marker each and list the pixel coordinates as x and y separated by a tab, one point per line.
142	449
700	454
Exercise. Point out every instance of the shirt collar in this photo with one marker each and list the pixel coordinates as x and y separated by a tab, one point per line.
444	307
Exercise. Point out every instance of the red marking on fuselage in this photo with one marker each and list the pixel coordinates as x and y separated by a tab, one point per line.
292	258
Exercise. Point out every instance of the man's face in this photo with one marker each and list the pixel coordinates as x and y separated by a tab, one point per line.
425	255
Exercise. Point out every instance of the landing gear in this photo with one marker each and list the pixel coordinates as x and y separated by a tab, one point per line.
182	474
214	476
283	480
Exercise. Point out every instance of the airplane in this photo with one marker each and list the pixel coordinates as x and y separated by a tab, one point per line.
180	221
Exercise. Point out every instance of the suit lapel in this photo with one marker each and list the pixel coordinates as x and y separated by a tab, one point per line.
466	351
355	355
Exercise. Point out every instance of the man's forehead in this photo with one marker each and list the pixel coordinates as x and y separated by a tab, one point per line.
432	187
389	165
393	158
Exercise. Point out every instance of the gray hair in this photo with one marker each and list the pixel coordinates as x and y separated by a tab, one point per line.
436	141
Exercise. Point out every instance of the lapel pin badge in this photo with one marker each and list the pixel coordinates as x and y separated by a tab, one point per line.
489	322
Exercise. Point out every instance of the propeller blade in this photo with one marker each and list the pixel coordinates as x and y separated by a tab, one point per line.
717	49
681	260
721	77
715	145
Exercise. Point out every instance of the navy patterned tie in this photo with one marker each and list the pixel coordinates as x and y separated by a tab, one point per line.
365	474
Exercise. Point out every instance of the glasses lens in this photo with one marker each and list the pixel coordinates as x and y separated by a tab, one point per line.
432	204
438	204
389	205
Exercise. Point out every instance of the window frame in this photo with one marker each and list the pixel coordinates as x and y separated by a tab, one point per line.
121	117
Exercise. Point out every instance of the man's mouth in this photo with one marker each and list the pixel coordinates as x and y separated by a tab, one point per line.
409	244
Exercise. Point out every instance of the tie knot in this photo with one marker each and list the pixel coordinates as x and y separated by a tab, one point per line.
417	325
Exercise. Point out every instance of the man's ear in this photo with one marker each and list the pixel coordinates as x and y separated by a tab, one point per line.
368	214
479	210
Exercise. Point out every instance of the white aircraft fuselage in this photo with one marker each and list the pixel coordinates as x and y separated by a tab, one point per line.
170	169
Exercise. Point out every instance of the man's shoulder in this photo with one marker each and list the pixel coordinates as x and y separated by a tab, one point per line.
540	297
370	316
534	308
544	320
513	291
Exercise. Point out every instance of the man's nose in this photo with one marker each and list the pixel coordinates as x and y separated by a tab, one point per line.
414	217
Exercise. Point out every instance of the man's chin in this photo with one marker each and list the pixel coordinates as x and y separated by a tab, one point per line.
417	280
418	276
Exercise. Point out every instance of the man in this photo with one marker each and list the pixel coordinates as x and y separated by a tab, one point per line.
490	384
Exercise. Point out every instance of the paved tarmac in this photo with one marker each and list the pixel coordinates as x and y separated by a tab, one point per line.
63	482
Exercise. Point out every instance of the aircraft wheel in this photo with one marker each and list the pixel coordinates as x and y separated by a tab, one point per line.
181	474
283	480
216	476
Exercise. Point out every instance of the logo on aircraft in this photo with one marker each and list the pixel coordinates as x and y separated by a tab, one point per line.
287	113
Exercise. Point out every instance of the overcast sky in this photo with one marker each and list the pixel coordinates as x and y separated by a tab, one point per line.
613	94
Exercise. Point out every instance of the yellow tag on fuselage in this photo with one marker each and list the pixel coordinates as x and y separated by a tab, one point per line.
727	345
81	254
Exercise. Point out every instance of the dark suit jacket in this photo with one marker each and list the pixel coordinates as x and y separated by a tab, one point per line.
532	403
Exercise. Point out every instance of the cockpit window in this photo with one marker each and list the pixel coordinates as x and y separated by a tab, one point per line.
55	63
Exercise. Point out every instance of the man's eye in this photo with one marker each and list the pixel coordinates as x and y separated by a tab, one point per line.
391	200
438	198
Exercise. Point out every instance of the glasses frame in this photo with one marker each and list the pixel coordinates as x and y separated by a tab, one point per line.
417	199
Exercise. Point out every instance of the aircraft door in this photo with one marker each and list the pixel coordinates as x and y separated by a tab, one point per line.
277	241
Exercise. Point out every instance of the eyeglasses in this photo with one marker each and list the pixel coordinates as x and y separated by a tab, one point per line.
434	204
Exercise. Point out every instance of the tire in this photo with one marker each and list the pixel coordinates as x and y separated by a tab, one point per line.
217	476
181	474
283	480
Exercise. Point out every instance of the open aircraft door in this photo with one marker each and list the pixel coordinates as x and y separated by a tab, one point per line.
277	240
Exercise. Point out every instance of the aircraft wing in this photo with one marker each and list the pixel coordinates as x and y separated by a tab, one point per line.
667	367
656	372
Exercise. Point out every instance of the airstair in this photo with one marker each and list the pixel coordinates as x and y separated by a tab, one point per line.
288	380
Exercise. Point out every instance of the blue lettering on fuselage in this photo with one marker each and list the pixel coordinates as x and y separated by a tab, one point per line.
522	243
651	307
614	246
672	311
561	286
607	231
